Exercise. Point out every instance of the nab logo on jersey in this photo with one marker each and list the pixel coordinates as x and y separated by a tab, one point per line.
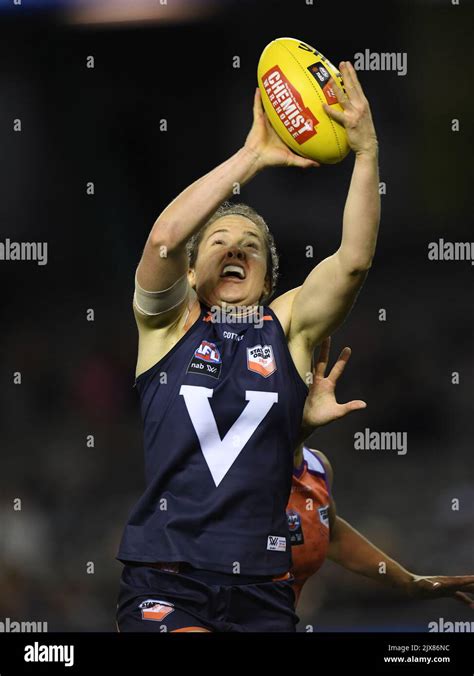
260	359
206	360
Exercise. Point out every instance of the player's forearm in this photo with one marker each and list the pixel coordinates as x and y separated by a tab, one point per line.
186	214
361	214
353	551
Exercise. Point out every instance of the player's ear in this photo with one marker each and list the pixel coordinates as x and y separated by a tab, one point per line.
192	278
266	287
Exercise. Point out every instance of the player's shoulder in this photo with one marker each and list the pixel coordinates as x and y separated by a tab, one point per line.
320	459
282	307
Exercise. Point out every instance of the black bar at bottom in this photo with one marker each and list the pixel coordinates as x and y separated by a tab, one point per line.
375	653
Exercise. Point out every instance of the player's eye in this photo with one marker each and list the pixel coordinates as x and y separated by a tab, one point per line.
254	245
217	241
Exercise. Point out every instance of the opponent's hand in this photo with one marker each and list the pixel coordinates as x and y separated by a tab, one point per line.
460	587
321	406
356	116
268	146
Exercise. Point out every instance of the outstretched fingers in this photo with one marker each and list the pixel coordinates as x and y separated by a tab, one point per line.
350	73
323	358
460	582
338	368
354	405
464	598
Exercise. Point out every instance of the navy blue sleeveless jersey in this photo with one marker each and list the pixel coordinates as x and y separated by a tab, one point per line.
221	416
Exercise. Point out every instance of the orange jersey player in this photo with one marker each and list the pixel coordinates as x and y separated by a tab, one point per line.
308	518
317	532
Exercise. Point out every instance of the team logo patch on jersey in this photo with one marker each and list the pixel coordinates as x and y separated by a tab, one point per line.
260	359
324	515
295	528
152	609
275	543
206	360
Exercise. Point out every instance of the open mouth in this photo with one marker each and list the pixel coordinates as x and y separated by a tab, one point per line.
233	271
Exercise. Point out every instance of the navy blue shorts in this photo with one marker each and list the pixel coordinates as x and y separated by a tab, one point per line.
191	599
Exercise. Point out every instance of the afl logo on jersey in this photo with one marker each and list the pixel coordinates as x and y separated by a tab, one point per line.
206	360
294	526
208	352
260	359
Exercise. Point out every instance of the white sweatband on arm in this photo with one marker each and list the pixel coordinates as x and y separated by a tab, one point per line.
156	302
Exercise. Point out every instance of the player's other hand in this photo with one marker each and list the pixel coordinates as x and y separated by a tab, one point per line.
356	116
321	406
267	145
460	587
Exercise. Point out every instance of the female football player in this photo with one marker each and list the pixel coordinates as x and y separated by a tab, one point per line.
221	379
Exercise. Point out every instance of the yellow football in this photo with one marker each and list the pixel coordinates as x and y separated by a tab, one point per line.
294	82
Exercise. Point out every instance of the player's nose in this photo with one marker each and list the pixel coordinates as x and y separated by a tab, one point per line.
235	252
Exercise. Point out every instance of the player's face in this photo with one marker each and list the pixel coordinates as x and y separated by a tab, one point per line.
231	265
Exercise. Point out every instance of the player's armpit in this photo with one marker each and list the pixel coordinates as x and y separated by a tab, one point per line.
282	307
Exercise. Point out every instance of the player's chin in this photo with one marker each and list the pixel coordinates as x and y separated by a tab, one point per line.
239	293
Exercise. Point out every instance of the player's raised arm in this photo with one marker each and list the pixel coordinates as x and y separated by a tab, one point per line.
164	262
329	291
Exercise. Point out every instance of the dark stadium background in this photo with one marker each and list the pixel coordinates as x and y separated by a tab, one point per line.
102	125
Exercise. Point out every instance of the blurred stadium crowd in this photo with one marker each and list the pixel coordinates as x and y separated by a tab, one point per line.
77	375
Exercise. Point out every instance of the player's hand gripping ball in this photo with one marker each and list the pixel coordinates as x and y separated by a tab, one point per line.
294	81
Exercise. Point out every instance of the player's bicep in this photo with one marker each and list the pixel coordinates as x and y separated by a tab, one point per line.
324	300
